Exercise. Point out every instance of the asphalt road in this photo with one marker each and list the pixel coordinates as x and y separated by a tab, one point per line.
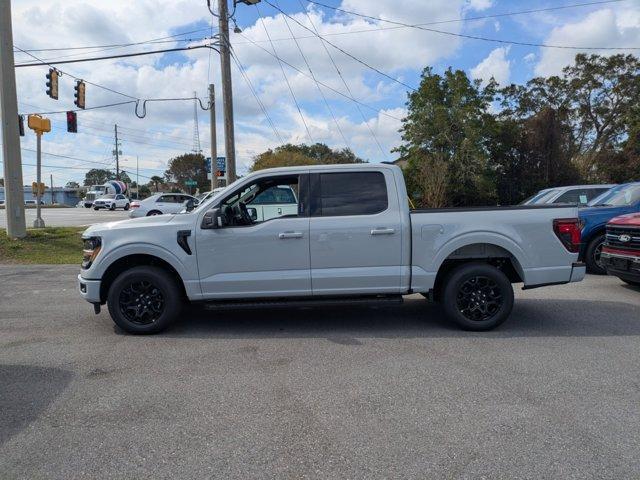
69	217
323	393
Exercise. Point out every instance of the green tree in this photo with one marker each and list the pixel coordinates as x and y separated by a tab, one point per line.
190	166
144	191
98	176
156	181
72	184
448	125
295	155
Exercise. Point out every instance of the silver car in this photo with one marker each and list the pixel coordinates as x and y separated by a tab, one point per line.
159	204
573	194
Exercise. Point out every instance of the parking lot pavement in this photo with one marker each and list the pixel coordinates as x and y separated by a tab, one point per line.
319	393
69	217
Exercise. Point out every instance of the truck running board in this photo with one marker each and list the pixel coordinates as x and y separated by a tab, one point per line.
376	300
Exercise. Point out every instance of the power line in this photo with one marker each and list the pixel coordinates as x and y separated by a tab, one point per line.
344	82
78	78
362	62
381	112
83	109
255	95
295	100
470	37
124	55
483	17
113	45
317	84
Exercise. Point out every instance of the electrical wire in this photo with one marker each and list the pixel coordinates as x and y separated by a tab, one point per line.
329	87
123	55
240	67
344	82
470	37
335	120
295	100
78	78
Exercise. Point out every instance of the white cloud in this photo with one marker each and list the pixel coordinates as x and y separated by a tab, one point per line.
167	128
606	28
480	5
495	65
529	57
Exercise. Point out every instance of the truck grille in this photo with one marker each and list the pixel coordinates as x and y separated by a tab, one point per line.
613	238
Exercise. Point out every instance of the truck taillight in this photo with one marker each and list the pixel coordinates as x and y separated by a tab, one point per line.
568	231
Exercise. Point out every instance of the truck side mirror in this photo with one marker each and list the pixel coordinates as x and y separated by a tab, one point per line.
213	219
253	213
190	205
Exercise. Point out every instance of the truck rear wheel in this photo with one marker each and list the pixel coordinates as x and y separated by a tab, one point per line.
144	300
477	296
592	256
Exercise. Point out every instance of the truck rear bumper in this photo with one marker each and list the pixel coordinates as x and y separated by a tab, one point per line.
89	289
578	272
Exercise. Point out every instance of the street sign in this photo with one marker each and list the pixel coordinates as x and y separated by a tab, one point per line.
191	183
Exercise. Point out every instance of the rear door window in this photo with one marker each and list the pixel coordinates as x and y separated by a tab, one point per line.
352	193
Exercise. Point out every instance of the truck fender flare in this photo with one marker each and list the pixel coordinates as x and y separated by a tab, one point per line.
474	238
143	249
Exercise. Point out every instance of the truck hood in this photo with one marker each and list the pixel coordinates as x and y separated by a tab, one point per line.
149	222
631	220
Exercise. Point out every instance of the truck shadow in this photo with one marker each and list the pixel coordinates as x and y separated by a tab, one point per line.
25	392
415	318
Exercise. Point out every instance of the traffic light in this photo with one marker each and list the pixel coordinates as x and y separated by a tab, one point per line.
79	94
21	125
72	122
52	83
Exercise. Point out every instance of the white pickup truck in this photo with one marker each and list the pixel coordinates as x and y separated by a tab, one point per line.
353	238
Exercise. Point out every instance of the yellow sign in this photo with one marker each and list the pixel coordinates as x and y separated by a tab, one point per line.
39	124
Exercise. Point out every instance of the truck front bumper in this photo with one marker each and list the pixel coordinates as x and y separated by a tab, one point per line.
622	265
89	289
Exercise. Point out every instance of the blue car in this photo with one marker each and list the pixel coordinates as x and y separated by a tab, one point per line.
619	200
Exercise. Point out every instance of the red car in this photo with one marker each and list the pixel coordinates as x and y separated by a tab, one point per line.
621	250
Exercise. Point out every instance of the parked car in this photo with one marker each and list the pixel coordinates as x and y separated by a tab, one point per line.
620	200
111	202
621	251
574	194
353	239
160	203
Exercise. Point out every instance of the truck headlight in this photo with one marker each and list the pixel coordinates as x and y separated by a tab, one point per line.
90	250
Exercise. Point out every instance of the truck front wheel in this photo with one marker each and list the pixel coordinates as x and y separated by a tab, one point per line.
592	256
477	296
144	300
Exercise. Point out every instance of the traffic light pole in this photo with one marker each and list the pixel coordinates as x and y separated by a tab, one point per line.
117	154
227	98
13	189
38	222
212	130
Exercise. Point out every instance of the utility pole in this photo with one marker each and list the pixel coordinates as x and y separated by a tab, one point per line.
13	193
227	96
38	222
214	145
137	178
117	153
53	197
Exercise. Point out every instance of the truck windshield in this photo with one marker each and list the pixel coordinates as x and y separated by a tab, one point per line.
619	197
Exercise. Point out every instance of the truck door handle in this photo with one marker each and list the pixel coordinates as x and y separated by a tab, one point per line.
283	235
383	231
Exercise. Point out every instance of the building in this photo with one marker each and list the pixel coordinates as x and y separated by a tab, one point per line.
59	195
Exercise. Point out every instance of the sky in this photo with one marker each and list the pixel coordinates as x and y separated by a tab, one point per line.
363	75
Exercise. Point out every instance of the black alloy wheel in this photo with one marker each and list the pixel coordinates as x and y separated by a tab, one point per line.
141	302
145	299
479	298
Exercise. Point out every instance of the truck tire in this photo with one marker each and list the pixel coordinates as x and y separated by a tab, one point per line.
592	255
477	296
144	300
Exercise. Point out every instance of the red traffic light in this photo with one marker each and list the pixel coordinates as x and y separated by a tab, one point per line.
72	122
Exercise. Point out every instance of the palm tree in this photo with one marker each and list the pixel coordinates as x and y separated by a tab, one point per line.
157	180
